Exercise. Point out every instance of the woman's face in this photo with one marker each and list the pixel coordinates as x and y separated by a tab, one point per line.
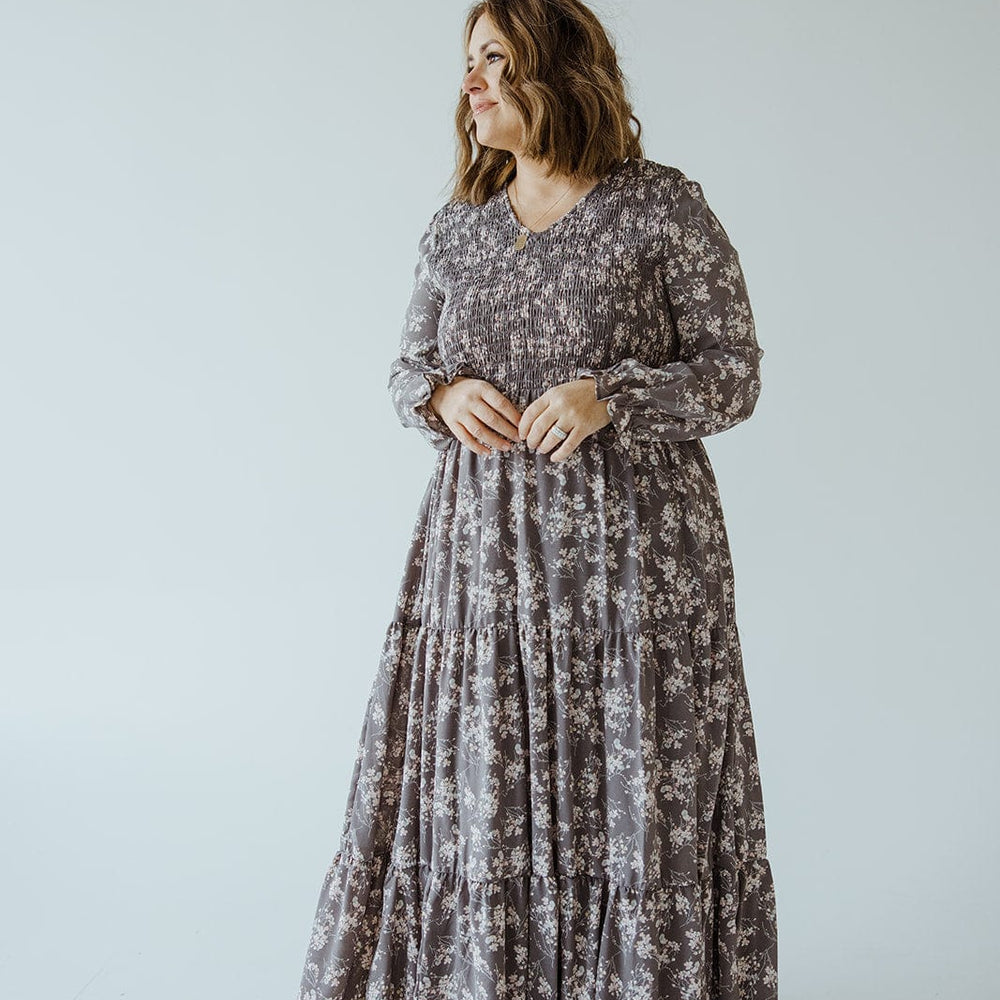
497	124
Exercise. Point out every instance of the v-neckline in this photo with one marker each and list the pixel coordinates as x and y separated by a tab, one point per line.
542	232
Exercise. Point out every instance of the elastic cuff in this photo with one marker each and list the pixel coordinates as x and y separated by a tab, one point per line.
434	377
608	387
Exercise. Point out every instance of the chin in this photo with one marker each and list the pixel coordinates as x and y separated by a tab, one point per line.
484	138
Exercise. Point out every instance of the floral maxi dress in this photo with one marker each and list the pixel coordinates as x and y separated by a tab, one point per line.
556	794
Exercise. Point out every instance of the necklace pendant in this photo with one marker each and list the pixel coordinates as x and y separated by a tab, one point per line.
522	238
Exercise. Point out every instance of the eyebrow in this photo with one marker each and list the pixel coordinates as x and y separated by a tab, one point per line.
485	45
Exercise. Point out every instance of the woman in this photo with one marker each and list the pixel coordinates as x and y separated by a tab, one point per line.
556	792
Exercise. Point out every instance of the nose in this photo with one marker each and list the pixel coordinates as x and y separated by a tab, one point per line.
473	81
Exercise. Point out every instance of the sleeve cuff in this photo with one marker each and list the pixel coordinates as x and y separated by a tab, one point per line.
609	388
432	378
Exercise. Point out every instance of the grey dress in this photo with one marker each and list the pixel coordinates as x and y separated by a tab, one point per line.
556	792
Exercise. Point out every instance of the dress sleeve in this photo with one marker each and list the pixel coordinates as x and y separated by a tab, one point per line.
716	381
418	368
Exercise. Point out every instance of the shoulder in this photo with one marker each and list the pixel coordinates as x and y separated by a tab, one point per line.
435	235
434	225
450	220
456	215
651	176
664	186
678	203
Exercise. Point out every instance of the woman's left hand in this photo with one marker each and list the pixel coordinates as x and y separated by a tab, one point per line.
574	407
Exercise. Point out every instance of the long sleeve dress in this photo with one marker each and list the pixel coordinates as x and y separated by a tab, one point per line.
556	794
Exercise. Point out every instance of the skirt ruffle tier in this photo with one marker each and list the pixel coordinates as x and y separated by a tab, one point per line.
551	813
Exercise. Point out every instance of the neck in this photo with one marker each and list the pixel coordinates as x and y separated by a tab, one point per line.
534	184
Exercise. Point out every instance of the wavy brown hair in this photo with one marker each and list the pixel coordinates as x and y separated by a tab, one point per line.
563	78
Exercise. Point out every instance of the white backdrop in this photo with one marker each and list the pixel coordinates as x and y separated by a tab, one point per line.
209	216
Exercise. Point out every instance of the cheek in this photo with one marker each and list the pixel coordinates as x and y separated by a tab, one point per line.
507	115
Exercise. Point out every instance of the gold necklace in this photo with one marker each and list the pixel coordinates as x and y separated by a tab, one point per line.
522	236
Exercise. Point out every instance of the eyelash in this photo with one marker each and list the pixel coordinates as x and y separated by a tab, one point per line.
468	69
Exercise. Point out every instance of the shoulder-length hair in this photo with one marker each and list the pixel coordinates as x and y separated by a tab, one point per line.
562	76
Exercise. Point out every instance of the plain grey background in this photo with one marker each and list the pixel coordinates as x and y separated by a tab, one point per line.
210	214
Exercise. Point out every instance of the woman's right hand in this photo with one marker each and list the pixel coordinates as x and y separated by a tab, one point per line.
477	413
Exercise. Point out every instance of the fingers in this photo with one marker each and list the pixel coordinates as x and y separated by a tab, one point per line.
486	420
542	437
470	441
500	405
482	431
564	447
492	417
496	429
468	409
